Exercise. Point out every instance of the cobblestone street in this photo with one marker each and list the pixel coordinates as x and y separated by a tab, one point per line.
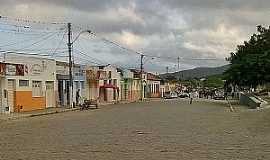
151	130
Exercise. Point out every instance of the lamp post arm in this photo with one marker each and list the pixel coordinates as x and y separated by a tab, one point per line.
77	37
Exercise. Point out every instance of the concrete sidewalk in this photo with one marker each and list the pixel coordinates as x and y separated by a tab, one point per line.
14	116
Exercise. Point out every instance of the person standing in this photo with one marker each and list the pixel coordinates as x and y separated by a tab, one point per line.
77	96
191	96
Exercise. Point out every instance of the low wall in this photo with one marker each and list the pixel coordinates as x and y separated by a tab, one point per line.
249	101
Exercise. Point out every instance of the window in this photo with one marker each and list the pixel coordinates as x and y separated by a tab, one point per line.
110	82
115	82
23	83
82	85
110	74
105	82
37	89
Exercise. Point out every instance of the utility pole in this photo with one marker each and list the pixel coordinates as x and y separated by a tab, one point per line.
142	88
178	63
70	66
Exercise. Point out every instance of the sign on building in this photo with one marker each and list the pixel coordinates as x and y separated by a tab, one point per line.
36	69
2	69
91	75
10	70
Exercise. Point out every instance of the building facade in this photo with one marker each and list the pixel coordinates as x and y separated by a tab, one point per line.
153	86
104	83
127	86
63	84
27	83
139	86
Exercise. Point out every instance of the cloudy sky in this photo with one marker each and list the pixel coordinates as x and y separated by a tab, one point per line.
189	29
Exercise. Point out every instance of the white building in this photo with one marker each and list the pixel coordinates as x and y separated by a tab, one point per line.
27	83
79	78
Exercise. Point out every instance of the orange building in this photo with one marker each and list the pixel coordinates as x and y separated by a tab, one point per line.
28	83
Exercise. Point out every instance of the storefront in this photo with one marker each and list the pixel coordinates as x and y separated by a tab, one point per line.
29	83
79	83
103	83
63	85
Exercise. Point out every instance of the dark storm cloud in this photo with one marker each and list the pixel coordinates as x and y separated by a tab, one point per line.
185	28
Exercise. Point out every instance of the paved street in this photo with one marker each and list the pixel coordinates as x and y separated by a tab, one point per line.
150	130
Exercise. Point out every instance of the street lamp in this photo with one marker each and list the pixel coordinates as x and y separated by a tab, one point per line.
70	43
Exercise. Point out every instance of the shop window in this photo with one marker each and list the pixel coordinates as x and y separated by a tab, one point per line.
37	89
23	83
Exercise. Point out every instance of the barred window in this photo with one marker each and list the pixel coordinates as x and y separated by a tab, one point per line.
23	83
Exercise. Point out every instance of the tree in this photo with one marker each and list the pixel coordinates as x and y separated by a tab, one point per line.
215	81
250	63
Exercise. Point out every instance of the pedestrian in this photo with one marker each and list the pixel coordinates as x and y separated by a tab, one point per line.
191	97
77	97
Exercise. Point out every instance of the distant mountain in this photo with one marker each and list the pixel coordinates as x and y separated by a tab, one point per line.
200	72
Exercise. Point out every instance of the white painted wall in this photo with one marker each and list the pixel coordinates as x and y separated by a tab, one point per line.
36	69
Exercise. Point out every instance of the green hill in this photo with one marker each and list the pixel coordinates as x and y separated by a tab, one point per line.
201	72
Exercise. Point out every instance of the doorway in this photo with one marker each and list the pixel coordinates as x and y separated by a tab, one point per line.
11	95
49	94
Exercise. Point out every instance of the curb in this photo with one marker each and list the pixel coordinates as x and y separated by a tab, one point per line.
54	112
70	110
38	114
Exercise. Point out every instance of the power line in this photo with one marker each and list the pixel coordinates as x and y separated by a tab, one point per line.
86	55
58	46
28	53
85	59
23	53
149	55
26	40
116	44
5	18
37	42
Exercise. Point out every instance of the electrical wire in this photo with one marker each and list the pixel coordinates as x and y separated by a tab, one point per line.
86	55
5	18
58	46
37	42
152	56
26	40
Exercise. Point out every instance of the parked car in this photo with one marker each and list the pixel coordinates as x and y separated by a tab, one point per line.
174	95
219	96
183	95
170	95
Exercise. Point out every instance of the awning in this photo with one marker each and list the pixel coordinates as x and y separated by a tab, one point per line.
109	86
62	77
